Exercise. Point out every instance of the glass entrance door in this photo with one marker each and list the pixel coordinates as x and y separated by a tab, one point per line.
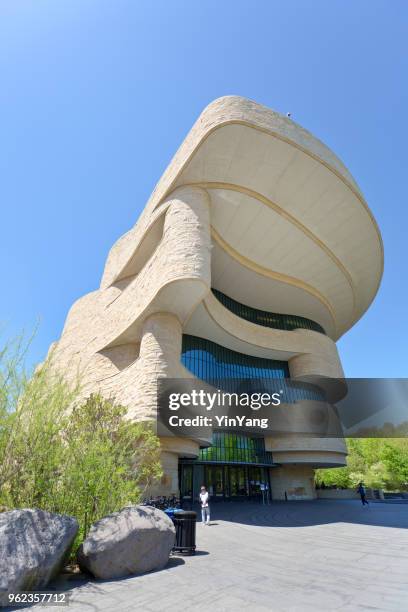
238	481
215	480
255	478
224	481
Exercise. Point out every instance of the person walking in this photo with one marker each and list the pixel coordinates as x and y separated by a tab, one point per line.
205	506
362	491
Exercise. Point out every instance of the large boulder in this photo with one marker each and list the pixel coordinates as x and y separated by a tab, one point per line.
33	546
135	540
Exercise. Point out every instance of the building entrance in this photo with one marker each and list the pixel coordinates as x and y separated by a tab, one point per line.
224	481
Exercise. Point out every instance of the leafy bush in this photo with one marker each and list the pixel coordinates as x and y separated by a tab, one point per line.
110	461
56	453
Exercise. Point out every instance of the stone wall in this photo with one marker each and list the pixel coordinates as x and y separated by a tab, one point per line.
296	481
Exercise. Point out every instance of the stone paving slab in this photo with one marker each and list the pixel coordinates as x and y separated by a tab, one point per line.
287	557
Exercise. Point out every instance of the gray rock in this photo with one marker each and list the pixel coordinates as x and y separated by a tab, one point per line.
33	546
135	540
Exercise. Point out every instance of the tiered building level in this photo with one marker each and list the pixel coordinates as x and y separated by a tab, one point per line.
254	254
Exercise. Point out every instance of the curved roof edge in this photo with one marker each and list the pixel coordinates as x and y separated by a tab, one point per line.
223	111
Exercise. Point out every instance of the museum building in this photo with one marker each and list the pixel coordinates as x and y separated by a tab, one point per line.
255	253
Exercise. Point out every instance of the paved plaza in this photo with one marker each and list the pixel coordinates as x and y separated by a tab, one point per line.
318	555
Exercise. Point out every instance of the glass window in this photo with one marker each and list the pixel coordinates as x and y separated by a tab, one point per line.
264	318
228	369
233	448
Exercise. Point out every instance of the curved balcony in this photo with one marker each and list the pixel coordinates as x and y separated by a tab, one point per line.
305	351
237	372
264	318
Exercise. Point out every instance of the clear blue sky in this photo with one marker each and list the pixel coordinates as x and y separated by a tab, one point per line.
96	96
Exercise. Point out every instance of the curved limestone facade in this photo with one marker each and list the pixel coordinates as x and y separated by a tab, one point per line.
254	216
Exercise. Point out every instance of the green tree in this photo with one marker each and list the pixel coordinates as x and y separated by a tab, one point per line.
379	462
338	477
395	458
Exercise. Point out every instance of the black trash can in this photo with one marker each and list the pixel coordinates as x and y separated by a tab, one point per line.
185	524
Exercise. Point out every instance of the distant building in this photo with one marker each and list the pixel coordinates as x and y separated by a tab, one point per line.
254	254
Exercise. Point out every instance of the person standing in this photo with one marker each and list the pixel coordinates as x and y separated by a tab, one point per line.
362	490
205	506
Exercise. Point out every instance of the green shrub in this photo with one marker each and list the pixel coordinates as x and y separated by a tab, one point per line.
110	461
85	459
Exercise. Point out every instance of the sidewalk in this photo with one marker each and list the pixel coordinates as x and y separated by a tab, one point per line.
289	556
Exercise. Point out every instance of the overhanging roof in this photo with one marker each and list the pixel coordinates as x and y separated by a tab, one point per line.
292	232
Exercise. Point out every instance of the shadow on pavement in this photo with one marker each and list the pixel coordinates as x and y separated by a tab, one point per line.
315	512
66	582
